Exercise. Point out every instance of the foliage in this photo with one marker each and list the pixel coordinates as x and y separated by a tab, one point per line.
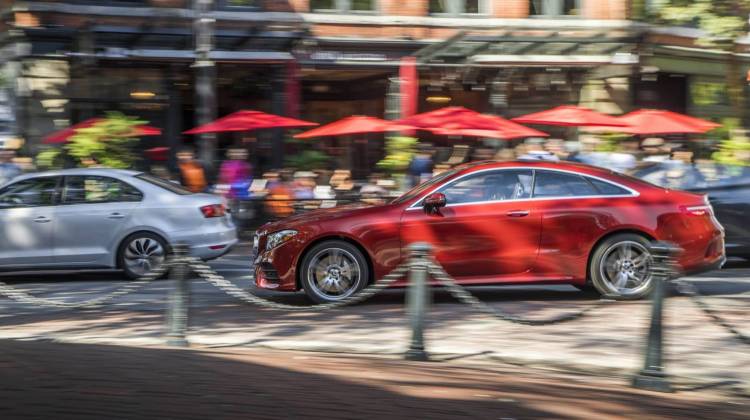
108	142
723	21
609	142
51	158
735	150
308	160
398	154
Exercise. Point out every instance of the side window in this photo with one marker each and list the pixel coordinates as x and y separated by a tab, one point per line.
490	186
557	184
605	188
33	192
97	189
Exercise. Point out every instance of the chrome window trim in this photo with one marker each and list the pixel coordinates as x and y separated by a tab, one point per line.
633	193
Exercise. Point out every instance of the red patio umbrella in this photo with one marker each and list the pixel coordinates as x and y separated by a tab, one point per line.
64	135
356	124
657	121
248	120
460	121
570	116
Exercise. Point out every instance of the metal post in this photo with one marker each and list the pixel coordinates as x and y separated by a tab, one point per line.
417	298
179	300
653	377
205	78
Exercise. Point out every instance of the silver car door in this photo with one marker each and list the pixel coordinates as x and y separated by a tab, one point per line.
93	211
27	222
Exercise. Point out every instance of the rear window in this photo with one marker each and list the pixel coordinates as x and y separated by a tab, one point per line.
165	184
605	188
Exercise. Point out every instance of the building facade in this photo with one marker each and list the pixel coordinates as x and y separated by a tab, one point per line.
320	60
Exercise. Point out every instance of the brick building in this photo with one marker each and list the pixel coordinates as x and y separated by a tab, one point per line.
64	61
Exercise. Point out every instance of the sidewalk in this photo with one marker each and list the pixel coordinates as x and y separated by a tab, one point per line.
609	340
52	380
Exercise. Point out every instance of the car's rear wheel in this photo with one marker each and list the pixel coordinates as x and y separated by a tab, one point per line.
621	267
141	253
332	271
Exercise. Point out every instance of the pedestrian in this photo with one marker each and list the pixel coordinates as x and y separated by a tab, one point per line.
192	173
8	169
236	173
421	166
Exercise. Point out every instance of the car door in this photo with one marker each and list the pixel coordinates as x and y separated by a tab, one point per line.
93	212
488	229
27	222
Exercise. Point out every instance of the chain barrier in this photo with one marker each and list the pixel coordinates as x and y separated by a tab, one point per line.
463	296
689	289
24	297
209	275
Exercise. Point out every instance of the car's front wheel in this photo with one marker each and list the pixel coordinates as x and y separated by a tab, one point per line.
141	253
621	267
332	271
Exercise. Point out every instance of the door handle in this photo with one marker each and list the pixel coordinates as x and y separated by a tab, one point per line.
116	216
518	213
42	219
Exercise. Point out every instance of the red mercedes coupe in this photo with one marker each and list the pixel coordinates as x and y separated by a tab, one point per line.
523	222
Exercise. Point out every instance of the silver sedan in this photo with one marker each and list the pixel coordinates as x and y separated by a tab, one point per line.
106	218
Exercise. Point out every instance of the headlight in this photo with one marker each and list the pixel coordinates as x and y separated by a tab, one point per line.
277	238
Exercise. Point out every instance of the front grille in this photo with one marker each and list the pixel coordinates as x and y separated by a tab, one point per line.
269	273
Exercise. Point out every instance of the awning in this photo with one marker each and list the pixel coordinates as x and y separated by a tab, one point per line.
582	48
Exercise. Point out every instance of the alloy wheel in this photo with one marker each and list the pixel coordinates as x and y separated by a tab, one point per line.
626	268
143	255
333	273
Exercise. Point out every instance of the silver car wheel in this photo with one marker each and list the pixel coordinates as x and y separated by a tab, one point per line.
143	255
626	268
333	273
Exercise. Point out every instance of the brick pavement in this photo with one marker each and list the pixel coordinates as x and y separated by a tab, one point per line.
83	381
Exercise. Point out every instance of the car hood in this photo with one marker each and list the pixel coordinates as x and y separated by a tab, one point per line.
319	215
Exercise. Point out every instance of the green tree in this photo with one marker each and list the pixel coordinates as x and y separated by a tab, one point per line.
722	21
308	160
398	154
108	142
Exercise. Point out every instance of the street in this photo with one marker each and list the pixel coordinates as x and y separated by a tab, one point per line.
608	341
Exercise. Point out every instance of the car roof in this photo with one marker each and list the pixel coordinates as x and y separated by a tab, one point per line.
536	163
80	171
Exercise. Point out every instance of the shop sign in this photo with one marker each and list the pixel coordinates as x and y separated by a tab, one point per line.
334	56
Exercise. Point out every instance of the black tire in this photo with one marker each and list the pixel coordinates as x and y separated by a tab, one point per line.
335	273
147	237
603	250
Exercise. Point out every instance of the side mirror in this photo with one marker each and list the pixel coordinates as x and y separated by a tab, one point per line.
433	202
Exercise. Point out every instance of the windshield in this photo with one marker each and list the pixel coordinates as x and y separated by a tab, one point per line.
419	189
165	184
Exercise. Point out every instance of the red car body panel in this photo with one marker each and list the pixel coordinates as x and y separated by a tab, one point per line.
539	240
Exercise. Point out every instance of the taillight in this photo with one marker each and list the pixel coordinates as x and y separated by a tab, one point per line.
213	210
702	210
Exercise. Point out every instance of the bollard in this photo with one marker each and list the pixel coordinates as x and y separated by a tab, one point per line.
179	299
653	377
417	299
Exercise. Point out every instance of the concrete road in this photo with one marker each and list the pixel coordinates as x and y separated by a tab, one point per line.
609	340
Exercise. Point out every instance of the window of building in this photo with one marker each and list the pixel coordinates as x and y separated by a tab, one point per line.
33	192
557	184
97	189
490	186
555	7
458	7
342	5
